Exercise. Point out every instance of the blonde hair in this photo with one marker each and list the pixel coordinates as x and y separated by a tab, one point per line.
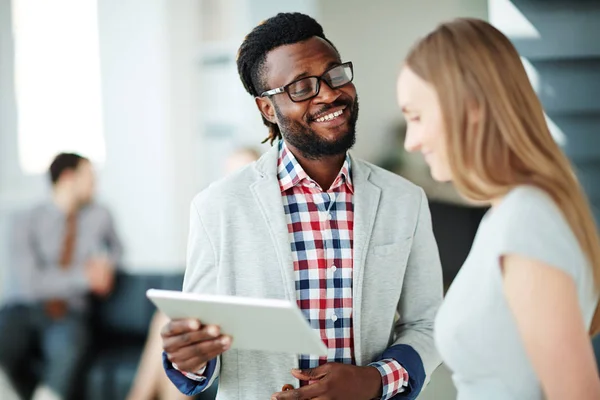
497	133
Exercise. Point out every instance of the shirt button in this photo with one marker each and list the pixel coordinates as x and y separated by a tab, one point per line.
334	317
312	185
329	217
333	268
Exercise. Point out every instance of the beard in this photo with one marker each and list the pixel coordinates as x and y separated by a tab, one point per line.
309	143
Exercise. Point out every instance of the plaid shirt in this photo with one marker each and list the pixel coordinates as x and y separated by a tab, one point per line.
321	228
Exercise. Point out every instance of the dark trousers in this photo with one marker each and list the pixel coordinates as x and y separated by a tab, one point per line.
26	331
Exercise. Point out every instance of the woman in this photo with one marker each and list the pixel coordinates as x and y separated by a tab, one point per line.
515	323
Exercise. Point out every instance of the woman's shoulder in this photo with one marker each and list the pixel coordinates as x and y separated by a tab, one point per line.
525	205
530	223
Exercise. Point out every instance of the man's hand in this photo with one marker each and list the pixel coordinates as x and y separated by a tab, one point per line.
190	345
101	276
335	381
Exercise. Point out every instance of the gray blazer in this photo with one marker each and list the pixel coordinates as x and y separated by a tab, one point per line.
239	245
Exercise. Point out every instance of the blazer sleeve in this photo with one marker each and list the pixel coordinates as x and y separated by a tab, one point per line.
422	293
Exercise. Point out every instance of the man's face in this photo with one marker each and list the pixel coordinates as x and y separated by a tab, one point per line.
84	182
301	123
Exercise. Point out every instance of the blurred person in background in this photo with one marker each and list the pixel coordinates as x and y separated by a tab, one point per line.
239	158
63	250
350	243
517	320
151	382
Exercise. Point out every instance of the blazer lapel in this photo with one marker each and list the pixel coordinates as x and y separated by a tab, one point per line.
267	194
366	203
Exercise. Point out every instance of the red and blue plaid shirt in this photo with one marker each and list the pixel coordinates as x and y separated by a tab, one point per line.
321	229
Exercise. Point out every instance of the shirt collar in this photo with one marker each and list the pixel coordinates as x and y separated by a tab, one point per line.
290	173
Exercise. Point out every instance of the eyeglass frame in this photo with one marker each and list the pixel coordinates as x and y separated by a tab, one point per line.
284	88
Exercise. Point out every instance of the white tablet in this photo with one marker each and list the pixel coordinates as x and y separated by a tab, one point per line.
254	324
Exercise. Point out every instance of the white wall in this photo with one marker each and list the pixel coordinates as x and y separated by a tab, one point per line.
16	189
148	87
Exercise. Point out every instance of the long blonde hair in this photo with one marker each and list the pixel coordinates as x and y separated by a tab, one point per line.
506	142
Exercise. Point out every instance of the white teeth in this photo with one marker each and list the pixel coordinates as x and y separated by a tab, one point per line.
331	116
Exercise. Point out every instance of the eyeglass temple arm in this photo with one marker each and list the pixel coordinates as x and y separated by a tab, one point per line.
273	91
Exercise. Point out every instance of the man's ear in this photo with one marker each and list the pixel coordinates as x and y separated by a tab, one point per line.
266	108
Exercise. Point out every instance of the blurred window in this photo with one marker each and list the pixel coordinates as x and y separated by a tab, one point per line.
57	81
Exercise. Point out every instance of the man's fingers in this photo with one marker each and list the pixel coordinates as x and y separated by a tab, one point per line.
179	326
299	374
173	343
304	393
192	354
199	353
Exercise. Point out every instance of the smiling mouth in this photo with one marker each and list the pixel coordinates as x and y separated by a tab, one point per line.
330	116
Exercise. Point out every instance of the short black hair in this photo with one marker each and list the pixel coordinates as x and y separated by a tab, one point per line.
62	163
280	30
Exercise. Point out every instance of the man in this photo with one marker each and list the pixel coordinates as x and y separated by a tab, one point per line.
63	250
350	243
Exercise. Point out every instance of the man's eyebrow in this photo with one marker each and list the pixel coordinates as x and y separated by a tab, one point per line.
299	76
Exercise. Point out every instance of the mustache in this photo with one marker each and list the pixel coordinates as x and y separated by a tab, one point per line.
338	103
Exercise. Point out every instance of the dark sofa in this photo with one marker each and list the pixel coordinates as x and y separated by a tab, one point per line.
120	326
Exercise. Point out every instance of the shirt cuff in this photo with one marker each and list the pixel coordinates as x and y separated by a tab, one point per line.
191	387
197	376
394	377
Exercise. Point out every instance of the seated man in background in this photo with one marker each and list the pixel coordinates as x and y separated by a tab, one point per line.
63	250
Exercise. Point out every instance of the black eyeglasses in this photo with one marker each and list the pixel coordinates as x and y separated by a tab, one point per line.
308	87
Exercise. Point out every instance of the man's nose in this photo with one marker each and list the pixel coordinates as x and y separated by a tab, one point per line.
326	94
